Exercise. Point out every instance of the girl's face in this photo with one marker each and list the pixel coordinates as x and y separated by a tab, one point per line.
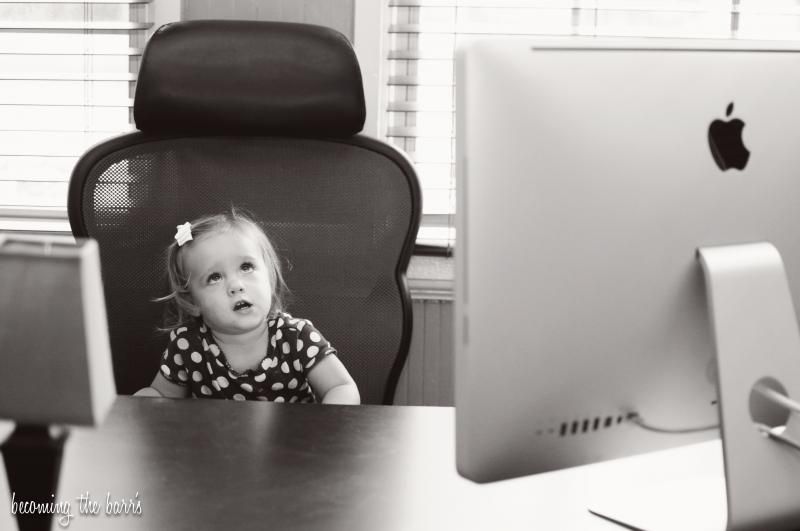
228	282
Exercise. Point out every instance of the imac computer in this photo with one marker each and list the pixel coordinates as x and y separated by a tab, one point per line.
628	259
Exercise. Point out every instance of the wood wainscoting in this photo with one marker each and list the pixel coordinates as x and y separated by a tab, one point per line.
427	378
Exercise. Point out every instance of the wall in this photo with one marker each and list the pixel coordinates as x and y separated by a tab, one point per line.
337	14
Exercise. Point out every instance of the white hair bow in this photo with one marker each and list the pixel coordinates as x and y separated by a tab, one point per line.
184	233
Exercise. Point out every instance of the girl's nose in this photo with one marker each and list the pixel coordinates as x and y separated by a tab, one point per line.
235	287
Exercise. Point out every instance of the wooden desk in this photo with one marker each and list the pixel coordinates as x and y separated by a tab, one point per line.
208	464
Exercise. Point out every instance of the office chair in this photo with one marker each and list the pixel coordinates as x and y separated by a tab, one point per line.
262	116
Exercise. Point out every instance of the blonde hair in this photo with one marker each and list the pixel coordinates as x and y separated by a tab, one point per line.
179	305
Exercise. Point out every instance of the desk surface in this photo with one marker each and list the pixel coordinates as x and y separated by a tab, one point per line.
209	464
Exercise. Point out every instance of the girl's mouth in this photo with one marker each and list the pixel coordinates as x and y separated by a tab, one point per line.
241	305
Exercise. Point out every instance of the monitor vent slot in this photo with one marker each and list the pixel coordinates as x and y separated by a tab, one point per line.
587	425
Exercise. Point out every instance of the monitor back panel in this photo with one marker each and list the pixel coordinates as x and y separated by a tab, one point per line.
586	183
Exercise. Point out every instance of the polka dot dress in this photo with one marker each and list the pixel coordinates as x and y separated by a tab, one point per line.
193	359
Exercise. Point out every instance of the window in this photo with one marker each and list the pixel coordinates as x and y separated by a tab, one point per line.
423	35
67	75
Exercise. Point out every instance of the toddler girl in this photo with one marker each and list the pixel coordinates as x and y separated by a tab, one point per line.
230	336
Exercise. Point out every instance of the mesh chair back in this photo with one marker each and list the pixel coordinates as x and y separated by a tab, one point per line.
342	213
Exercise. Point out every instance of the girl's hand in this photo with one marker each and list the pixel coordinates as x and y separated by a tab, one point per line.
161	387
147	391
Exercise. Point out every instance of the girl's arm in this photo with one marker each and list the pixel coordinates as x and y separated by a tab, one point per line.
163	388
332	383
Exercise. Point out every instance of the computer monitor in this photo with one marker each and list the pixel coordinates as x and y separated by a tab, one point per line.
589	175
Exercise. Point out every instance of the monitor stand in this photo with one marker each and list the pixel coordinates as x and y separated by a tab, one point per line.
758	357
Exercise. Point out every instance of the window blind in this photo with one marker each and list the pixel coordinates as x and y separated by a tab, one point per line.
67	75
423	35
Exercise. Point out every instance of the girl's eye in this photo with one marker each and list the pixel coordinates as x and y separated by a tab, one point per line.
248	266
214	277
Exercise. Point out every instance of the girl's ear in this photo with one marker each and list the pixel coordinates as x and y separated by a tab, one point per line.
194	311
188	304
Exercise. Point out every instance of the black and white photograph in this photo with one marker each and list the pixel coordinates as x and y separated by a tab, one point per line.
399	265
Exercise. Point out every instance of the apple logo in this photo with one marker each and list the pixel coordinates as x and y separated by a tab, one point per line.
725	141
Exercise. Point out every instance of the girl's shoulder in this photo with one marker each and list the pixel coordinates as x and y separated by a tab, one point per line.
290	326
188	332
299	332
285	320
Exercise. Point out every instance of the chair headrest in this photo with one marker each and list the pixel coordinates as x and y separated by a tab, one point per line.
249	77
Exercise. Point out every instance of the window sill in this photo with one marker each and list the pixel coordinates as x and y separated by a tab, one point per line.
431	277
29	225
